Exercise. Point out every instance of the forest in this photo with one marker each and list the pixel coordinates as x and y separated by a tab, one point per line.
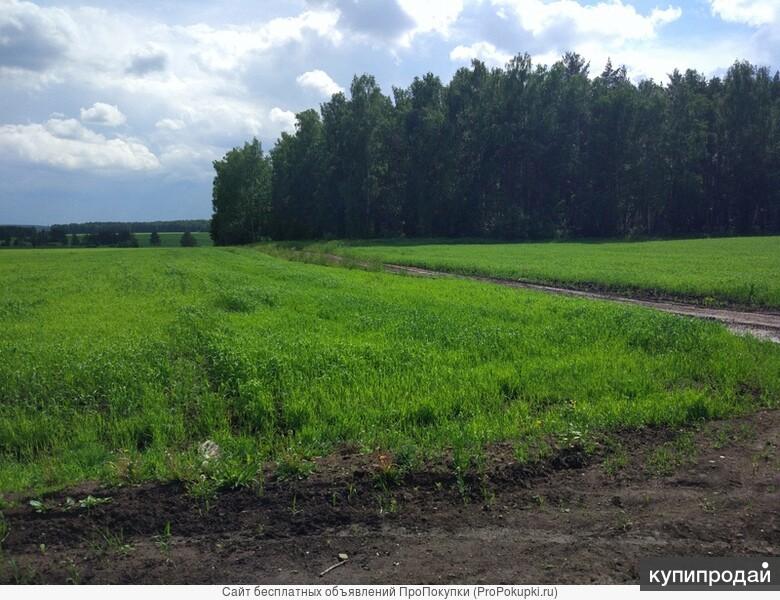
521	152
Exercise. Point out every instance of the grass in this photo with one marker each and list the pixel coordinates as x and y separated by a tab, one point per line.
744	271
118	364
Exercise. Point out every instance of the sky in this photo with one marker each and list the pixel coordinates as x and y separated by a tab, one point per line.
116	110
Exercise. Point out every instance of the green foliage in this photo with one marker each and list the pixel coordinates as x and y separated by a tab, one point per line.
154	239
188	240
241	196
142	363
520	152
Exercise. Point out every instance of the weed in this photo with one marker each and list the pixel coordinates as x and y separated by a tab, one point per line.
107	542
388	505
669	457
291	466
163	540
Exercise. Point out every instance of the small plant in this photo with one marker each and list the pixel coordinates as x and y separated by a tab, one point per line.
388	505
38	506
163	540
351	491
294	510
616	461
74	575
387	473
92	502
204	489
109	542
669	457
291	467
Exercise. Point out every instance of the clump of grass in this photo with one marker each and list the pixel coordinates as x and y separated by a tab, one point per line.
669	457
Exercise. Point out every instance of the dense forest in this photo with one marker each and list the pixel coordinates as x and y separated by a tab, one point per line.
520	152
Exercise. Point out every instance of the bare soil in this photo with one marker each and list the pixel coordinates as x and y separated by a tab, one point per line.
577	518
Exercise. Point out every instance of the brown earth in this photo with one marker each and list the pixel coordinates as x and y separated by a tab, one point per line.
578	518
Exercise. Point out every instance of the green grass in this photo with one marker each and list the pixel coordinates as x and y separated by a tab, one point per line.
116	364
744	271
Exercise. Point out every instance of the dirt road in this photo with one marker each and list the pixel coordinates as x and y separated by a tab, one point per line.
577	519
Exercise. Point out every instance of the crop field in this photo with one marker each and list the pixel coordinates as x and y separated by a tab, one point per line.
117	364
744	271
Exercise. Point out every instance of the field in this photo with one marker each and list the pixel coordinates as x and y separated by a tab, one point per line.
742	271
118	363
230	396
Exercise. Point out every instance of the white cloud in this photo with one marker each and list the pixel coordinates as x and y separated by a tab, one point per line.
484	51
170	124
67	144
431	16
319	81
570	22
285	119
33	38
101	113
751	12
226	48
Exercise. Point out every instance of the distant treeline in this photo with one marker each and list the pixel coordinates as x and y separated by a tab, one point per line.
520	152
137	226
12	236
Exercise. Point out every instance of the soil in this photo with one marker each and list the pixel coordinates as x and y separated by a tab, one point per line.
576	518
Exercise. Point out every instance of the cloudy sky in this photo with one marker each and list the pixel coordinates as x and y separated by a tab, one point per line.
115	110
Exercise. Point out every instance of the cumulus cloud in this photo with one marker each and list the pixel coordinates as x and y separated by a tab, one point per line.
32	38
285	119
320	82
484	51
226	48
67	144
751	12
150	61
383	19
570	22
101	113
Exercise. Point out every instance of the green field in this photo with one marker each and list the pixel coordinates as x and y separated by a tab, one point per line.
116	364
744	271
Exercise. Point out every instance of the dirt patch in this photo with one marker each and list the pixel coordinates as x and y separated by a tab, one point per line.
710	491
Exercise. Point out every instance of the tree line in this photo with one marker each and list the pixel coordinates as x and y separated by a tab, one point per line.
521	152
13	236
136	226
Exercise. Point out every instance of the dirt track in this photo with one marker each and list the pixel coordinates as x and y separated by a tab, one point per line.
765	325
573	520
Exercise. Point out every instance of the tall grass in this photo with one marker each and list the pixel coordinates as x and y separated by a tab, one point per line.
119	363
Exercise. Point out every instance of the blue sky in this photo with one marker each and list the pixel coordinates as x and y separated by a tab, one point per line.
115	110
